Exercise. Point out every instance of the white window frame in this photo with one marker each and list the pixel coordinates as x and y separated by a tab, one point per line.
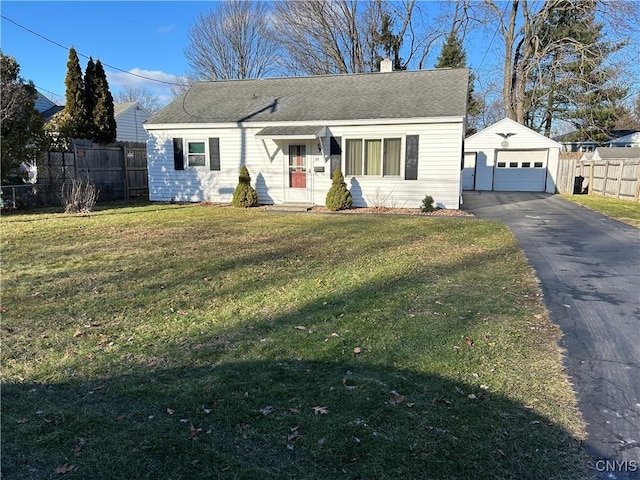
363	140
188	141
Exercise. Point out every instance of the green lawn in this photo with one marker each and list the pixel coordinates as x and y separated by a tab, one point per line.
626	211
185	342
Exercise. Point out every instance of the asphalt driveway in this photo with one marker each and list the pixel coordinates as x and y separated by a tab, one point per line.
589	267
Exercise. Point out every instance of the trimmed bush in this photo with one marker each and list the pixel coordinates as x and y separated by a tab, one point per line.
338	197
427	204
245	195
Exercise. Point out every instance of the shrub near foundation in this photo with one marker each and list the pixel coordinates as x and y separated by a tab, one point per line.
245	195
338	197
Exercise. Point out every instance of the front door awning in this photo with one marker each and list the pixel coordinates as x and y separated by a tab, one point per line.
298	132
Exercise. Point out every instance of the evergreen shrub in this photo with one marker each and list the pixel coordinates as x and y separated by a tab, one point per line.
338	197
245	195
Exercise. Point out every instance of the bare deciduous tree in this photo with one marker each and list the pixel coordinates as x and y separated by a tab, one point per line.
143	96
322	37
536	52
232	41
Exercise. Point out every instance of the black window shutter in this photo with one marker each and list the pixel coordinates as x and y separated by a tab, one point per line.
335	154
214	154
178	155
411	158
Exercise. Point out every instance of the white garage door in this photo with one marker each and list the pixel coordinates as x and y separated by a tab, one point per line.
520	171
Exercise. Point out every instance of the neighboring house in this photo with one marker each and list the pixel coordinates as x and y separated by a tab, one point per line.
616	138
508	156
46	107
616	153
632	139
129	122
396	136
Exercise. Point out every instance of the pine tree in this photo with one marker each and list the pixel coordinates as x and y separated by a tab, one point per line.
75	125
571	81
454	56
104	122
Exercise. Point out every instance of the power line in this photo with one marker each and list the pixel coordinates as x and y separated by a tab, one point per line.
493	38
87	56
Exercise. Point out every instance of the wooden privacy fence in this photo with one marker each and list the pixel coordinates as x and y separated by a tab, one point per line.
118	171
618	178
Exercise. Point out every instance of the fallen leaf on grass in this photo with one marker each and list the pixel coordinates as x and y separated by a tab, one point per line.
79	445
193	432
320	410
357	350
266	410
469	342
64	469
396	398
170	411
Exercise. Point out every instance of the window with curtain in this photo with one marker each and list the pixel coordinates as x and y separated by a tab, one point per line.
391	159
353	159
373	157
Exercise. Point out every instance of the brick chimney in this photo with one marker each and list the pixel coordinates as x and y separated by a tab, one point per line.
386	65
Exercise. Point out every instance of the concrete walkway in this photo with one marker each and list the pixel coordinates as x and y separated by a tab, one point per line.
589	267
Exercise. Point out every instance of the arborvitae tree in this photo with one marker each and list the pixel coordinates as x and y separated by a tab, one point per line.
245	195
75	124
104	122
454	56
338	197
90	97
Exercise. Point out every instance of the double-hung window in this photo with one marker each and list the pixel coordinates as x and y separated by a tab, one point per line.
196	154
373	157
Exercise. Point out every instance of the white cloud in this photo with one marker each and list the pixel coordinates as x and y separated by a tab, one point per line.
156	81
139	77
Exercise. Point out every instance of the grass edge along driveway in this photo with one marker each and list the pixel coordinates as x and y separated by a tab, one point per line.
206	342
625	211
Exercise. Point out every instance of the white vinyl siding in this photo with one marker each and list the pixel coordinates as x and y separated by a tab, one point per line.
129	125
440	154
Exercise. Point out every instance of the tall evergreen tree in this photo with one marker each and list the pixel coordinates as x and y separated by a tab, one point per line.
454	56
75	110
104	122
90	96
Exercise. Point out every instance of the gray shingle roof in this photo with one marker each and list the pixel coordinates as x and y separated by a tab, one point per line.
408	94
618	153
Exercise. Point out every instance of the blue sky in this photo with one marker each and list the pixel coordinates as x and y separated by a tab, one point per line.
147	38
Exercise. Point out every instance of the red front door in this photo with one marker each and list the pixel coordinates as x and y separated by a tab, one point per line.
297	166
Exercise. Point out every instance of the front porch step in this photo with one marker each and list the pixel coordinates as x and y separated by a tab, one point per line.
291	207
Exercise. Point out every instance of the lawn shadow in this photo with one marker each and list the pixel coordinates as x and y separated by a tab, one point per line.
279	419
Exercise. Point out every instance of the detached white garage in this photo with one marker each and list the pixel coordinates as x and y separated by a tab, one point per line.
509	157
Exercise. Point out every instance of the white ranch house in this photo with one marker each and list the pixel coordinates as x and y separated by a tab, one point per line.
396	136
